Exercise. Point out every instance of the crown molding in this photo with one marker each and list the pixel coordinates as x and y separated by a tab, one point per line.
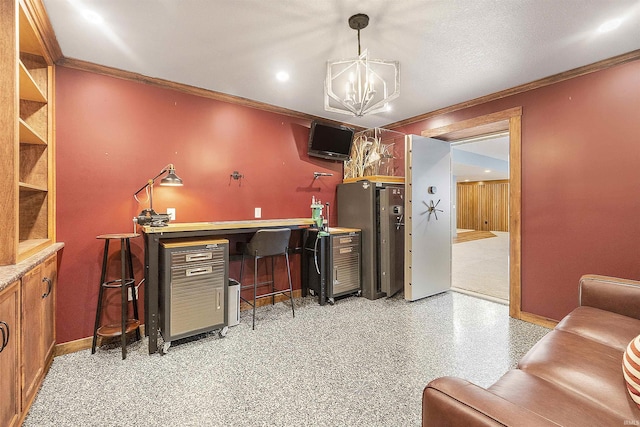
556	78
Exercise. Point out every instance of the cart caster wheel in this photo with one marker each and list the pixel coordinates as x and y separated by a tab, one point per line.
331	301
359	294
312	292
165	348
223	332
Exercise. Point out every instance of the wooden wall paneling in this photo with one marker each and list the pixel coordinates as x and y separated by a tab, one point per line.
467	206
483	205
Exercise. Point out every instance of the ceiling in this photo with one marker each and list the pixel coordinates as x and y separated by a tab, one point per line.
449	51
488	159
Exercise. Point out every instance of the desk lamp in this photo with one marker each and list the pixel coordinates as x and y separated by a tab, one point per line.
149	216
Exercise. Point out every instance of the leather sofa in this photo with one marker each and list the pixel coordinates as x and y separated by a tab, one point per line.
571	377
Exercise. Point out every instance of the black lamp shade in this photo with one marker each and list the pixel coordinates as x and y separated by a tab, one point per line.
171	179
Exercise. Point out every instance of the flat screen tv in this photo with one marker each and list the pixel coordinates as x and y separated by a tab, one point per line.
330	141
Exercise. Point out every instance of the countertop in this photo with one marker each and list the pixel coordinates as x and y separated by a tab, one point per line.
11	273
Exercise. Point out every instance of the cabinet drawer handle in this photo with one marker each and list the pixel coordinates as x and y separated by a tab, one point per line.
199	257
5	334
199	270
49	286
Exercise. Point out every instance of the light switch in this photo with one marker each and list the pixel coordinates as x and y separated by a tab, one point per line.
258	213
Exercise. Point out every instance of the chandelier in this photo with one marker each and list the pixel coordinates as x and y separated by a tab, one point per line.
360	85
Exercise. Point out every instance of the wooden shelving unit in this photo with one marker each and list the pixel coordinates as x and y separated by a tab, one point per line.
28	146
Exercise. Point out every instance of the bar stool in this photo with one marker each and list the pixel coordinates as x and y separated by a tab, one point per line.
125	282
268	243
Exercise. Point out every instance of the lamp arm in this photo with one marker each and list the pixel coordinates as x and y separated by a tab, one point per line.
152	180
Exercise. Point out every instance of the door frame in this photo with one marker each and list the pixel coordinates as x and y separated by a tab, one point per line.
500	121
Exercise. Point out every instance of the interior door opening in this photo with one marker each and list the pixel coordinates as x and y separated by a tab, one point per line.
506	120
480	216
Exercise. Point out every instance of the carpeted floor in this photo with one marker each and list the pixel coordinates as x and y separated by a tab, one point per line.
357	363
481	266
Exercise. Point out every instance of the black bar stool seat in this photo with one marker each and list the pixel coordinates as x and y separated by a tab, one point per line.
266	243
124	283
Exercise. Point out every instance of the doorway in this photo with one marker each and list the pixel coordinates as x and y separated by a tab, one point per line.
506	120
480	216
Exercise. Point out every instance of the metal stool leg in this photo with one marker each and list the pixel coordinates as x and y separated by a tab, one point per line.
286	255
123	292
273	280
134	298
255	289
100	294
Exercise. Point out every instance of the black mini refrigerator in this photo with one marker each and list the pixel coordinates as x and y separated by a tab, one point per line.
378	210
331	264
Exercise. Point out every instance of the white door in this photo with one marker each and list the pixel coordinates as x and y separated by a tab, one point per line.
428	217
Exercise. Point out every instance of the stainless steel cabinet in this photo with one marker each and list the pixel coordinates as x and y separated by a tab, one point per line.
193	288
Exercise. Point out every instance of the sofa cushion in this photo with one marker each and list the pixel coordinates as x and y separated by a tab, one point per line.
583	366
605	327
631	369
555	403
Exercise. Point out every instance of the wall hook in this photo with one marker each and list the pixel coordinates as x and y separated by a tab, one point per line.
236	175
317	175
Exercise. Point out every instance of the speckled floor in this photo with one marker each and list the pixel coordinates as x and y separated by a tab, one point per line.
357	363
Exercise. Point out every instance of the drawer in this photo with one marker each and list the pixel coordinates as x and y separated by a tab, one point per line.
345	240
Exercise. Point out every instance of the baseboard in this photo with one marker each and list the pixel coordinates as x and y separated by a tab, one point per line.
85	343
78	345
538	320
266	301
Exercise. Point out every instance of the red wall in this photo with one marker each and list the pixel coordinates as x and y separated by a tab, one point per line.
580	182
113	135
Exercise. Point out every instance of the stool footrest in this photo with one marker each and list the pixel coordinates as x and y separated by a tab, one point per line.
114	330
118	283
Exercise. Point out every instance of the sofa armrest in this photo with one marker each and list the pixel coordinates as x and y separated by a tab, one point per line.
612	294
453	402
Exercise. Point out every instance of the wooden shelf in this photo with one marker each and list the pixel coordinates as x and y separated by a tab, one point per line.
115	330
29	42
377	178
30	136
29	90
35	188
26	248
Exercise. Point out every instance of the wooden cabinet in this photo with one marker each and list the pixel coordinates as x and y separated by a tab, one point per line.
27	146
9	355
38	326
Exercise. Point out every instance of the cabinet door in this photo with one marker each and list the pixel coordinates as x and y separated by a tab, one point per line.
9	364
48	286
32	351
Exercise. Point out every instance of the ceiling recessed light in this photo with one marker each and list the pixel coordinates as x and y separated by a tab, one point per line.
282	76
609	25
487	170
92	16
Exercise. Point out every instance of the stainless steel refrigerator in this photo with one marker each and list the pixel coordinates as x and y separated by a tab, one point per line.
378	210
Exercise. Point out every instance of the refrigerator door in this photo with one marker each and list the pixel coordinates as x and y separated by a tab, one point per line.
391	239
